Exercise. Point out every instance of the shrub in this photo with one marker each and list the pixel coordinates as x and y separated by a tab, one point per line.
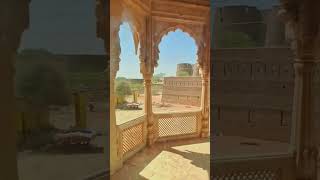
41	80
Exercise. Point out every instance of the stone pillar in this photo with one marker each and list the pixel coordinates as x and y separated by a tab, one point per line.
8	129
204	63
13	20
306	27
115	50
205	104
148	108
305	141
115	151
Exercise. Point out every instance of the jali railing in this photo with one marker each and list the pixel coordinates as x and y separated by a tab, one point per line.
132	136
268	167
177	125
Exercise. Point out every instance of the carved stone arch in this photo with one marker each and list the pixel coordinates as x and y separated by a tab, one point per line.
135	22
137	26
158	36
135	34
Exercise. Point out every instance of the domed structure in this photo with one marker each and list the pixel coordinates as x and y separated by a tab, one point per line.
184	68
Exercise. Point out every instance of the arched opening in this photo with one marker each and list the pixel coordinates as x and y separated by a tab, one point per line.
129	81
176	81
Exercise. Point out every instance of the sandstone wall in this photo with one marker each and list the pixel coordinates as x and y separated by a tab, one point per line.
184	67
182	90
252	92
245	19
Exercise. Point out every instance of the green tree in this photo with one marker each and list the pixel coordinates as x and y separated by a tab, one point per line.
41	80
121	79
234	40
183	74
44	79
123	88
156	78
136	86
43	85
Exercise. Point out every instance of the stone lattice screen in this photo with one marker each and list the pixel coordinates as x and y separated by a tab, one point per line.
252	175
132	136
177	125
273	167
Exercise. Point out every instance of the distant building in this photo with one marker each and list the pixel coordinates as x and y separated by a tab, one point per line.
191	69
182	90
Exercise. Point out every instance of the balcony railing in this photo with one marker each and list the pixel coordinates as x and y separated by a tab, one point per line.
181	125
132	136
270	167
178	125
168	126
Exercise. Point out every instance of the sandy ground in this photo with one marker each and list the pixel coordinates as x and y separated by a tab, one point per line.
127	115
184	159
190	159
44	166
38	166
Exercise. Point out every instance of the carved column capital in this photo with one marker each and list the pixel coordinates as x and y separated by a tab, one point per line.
148	108
147	77
301	67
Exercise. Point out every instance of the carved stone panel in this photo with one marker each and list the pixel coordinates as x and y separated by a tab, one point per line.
259	71
273	71
286	72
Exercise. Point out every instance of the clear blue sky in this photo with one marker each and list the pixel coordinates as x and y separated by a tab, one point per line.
177	47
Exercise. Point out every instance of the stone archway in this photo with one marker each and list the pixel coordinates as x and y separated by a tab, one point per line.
167	28
149	30
198	33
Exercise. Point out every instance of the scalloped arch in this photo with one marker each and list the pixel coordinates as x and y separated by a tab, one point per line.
129	16
173	28
183	28
135	34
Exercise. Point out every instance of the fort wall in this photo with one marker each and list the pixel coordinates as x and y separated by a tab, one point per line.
182	90
245	19
252	93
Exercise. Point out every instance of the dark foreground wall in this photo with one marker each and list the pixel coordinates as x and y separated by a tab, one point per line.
253	92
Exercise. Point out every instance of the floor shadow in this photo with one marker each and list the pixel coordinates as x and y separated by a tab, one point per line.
200	160
134	166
